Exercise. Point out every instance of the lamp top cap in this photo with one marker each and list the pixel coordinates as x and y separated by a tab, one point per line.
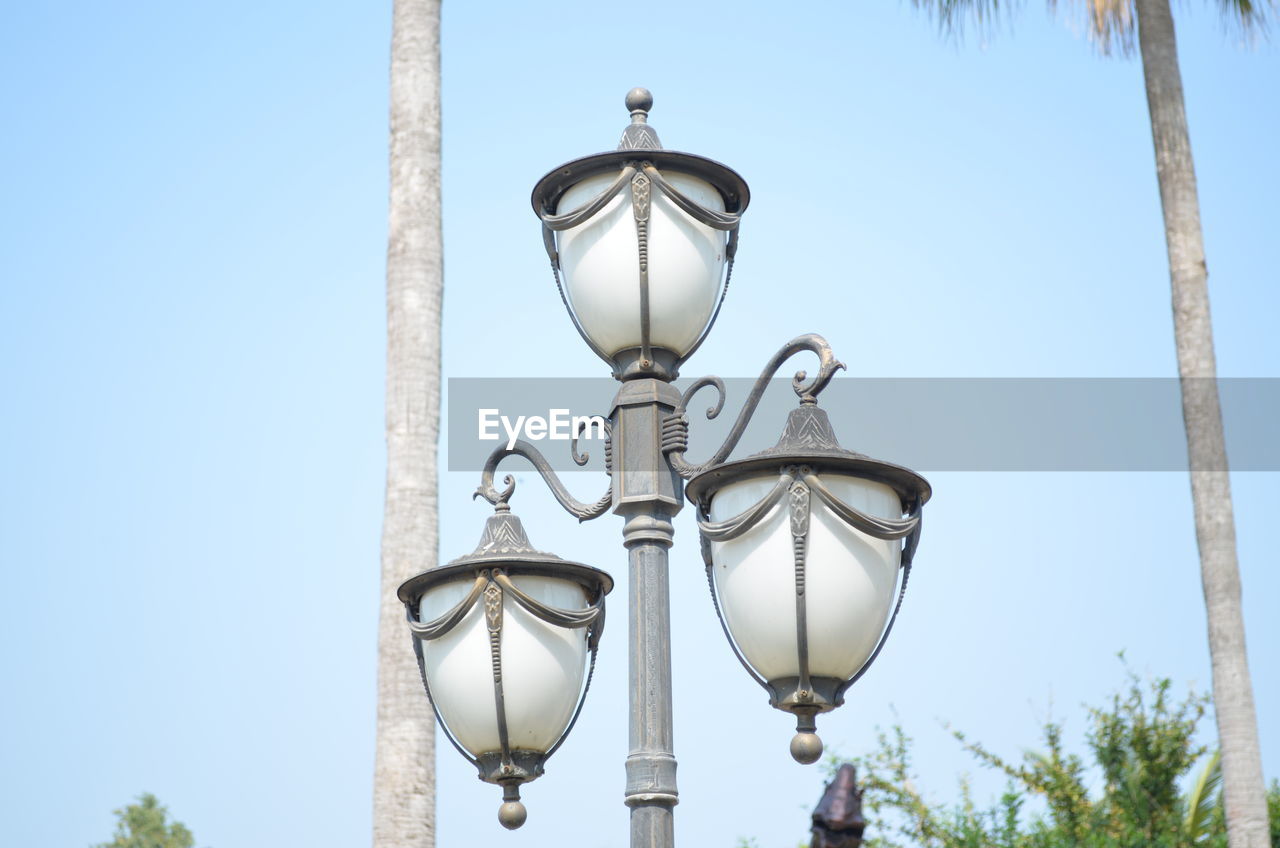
639	143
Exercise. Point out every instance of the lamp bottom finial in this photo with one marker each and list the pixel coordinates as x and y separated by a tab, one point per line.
512	813
806	747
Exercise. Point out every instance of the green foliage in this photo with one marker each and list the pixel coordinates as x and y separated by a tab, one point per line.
1273	812
145	825
1201	800
1141	750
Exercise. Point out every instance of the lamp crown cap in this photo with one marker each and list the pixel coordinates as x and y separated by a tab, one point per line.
504	535
808	428
639	135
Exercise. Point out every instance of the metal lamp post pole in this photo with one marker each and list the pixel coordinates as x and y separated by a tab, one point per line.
648	492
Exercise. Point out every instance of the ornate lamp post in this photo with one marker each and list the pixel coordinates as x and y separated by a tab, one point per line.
807	545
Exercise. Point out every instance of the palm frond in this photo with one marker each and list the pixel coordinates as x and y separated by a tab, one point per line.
1111	24
1201	799
954	15
1252	17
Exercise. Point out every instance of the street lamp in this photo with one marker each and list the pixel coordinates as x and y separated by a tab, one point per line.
807	545
502	636
642	279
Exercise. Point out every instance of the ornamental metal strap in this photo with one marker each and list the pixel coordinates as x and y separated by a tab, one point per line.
880	528
732	528
438	627
584	212
701	214
801	508
913	541
641	198
493	621
551	615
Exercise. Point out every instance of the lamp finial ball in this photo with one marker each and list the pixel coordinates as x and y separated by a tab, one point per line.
639	100
512	814
806	748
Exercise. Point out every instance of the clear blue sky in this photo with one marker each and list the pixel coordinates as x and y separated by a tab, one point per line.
192	235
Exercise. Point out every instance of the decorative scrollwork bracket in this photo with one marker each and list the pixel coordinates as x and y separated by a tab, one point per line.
675	429
500	497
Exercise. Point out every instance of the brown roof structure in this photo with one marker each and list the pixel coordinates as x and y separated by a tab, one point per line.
837	820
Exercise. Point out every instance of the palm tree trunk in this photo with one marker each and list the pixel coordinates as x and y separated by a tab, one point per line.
1243	788
404	769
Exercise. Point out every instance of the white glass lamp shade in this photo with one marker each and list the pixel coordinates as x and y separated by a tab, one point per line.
600	262
542	666
849	578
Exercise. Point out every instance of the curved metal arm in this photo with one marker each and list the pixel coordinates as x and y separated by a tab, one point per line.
574	507
675	428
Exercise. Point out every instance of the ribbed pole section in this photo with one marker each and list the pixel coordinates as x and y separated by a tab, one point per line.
647	493
651	764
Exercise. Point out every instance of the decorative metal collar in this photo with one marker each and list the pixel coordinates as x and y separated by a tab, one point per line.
503	536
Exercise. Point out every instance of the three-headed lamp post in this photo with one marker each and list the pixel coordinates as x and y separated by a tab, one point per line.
807	545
